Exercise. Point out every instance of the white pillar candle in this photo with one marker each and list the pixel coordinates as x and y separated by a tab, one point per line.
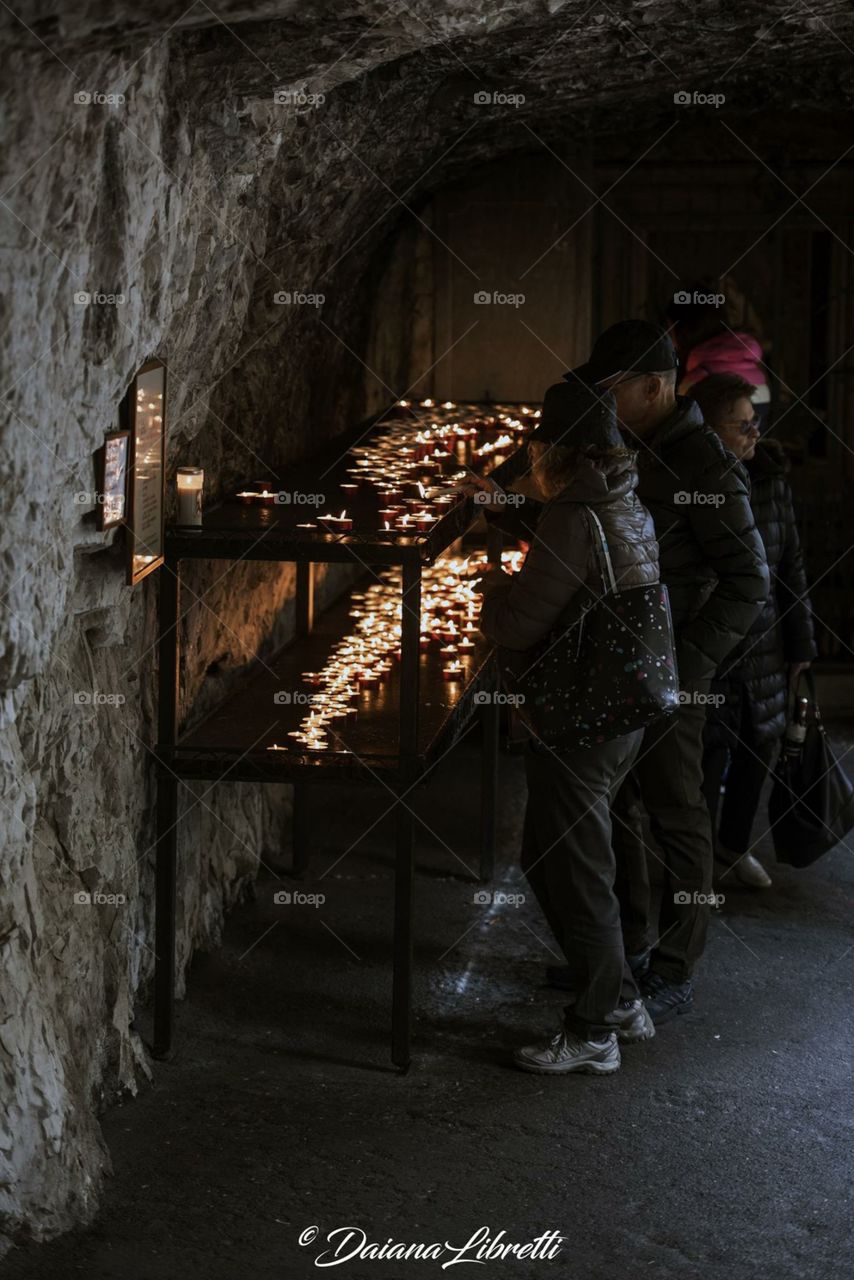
190	481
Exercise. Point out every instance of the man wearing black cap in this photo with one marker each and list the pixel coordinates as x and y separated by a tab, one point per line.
713	563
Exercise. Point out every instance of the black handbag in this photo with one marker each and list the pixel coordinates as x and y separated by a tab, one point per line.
811	806
611	671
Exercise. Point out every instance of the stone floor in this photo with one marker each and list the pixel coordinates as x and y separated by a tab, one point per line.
721	1149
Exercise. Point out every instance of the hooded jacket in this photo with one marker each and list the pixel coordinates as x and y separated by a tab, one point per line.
563	569
711	555
783	632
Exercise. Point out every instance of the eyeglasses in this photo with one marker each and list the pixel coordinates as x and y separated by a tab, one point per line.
744	427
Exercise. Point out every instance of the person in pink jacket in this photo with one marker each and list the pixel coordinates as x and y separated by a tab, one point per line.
738	354
709	346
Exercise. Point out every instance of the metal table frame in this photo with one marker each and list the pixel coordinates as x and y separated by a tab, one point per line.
412	554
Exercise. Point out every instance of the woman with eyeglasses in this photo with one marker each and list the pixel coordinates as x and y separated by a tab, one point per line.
744	727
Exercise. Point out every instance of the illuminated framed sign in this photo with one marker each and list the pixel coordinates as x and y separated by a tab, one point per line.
145	410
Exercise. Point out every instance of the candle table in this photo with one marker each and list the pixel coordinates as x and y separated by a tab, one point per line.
387	722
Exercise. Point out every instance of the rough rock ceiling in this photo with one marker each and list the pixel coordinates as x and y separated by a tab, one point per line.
568	71
562	54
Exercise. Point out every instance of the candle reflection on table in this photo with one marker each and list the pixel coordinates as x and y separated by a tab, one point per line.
361	663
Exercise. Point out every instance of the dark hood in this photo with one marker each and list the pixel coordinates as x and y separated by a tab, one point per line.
604	481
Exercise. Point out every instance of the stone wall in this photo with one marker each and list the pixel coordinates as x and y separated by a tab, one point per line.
197	197
168	204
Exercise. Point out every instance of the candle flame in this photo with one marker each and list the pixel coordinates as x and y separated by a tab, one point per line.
405	458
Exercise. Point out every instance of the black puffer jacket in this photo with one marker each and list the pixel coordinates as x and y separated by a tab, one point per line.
712	559
783	632
562	570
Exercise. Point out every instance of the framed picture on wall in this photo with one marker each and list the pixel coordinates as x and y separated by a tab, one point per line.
112	479
145	419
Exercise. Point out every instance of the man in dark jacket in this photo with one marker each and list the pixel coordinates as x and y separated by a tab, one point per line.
713	563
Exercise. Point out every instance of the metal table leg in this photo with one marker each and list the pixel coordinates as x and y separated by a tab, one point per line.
303	626
165	906
304	598
491	728
410	653
165	898
403	895
300	830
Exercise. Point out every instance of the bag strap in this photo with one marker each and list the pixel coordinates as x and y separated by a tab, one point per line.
809	679
606	554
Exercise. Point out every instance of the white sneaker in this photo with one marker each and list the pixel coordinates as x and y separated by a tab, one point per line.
635	1022
567	1052
744	868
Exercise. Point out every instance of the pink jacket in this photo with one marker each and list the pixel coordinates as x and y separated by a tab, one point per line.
737	353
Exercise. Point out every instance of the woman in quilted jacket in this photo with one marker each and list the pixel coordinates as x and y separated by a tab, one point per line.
743	731
579	462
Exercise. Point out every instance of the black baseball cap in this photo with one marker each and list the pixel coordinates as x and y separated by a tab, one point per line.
630	346
575	414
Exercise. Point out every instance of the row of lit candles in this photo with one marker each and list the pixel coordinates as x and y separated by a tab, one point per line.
363	660
428	446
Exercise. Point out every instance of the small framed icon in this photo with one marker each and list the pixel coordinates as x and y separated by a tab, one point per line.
113	479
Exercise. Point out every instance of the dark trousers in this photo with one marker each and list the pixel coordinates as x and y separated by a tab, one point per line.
569	863
741	769
667	779
632	879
